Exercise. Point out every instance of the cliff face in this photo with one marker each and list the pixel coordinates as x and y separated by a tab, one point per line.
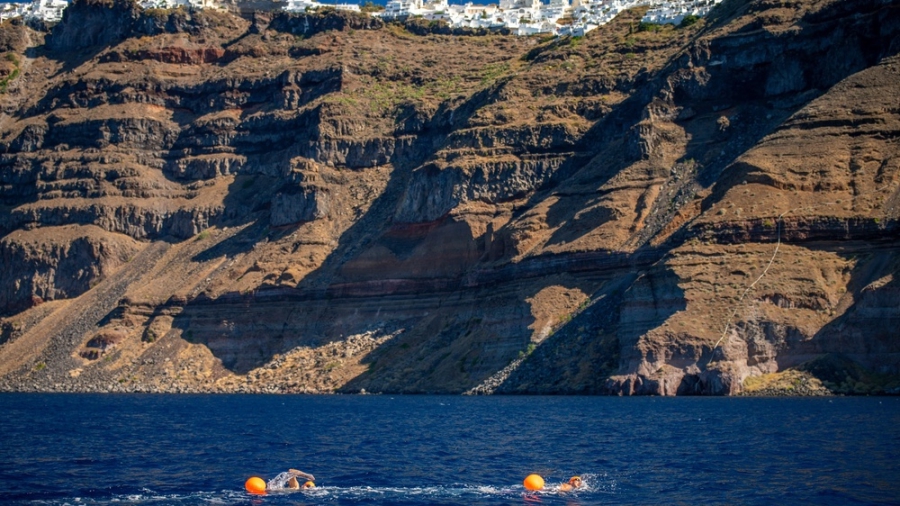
290	203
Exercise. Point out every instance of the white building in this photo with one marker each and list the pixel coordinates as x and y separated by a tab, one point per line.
46	10
13	10
530	17
400	8
675	12
523	17
311	5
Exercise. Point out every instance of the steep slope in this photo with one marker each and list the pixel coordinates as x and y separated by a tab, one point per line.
324	202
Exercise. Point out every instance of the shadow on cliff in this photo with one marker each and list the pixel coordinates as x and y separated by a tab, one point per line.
840	41
857	353
434	333
379	219
723	115
591	339
87	28
212	321
464	336
866	331
249	199
69	59
580	356
246	331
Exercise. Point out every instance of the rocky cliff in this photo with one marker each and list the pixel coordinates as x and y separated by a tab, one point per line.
200	201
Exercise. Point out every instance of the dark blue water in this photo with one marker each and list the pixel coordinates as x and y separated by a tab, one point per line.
191	450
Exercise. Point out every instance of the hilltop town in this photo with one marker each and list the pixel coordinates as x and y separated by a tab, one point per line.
559	17
521	17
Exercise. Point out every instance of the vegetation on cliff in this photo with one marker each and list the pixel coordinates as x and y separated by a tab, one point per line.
198	201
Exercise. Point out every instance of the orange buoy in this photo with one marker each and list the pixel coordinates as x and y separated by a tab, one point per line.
534	482
255	485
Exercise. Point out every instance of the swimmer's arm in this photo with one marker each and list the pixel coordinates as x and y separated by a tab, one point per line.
308	476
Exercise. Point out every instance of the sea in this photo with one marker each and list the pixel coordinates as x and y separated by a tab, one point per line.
107	449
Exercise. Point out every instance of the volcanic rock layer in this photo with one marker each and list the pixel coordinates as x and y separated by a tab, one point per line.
198	201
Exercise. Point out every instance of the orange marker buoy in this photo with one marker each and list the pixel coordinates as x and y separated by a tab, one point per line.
255	485
534	482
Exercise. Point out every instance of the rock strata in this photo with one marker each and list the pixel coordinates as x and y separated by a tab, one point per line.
202	201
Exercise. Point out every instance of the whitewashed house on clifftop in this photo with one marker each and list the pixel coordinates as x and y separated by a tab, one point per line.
523	17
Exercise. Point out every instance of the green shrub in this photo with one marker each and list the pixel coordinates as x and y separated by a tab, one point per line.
370	7
492	72
689	20
4	83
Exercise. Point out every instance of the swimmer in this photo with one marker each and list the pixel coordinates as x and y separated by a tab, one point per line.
289	480
295	485
574	482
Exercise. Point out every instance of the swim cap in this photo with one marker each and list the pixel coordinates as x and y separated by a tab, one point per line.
309	484
575	479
